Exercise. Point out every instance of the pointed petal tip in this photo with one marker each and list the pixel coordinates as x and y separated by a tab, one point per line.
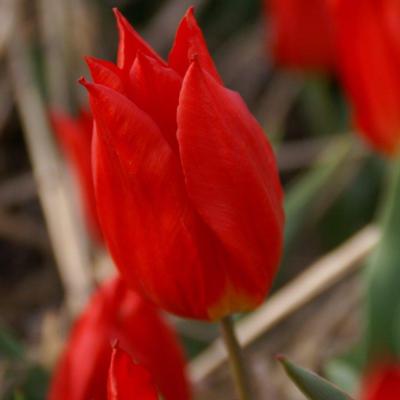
92	62
190	11
189	17
194	65
116	12
121	20
82	81
89	86
89	60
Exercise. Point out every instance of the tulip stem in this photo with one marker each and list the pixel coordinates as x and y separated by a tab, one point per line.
235	358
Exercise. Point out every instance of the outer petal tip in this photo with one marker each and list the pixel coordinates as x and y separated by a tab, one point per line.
90	61
117	13
82	81
190	12
89	86
189	41
121	20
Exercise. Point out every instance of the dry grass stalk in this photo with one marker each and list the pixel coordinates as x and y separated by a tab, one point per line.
71	258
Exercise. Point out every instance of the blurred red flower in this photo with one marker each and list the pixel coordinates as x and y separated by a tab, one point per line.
127	380
186	183
382	383
368	43
75	138
300	34
116	313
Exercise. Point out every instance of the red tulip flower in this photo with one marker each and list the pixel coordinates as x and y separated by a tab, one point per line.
127	380
186	182
382	383
368	44
75	138
301	34
115	313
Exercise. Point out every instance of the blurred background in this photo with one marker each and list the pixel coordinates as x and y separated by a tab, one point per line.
49	264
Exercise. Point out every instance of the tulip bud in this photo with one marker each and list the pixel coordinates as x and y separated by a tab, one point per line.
116	313
382	383
186	182
300	34
368	45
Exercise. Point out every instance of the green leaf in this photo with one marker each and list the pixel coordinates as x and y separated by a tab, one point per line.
383	277
10	348
345	370
18	396
302	194
311	385
344	374
36	383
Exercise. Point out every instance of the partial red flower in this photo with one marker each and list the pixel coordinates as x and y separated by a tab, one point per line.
368	44
186	182
116	313
300	35
75	137
382	383
128	380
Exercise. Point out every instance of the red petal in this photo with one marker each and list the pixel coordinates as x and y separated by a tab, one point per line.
231	178
128	129
155	89
129	381
130	43
75	136
143	207
301	36
189	43
116	313
106	73
370	73
82	370
382	382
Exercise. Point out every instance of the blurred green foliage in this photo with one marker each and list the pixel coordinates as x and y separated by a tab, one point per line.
23	379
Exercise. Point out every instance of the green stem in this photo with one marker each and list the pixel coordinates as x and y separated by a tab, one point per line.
235	359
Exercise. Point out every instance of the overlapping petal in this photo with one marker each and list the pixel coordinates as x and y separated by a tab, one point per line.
189	43
130	42
127	380
107	74
155	89
231	178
